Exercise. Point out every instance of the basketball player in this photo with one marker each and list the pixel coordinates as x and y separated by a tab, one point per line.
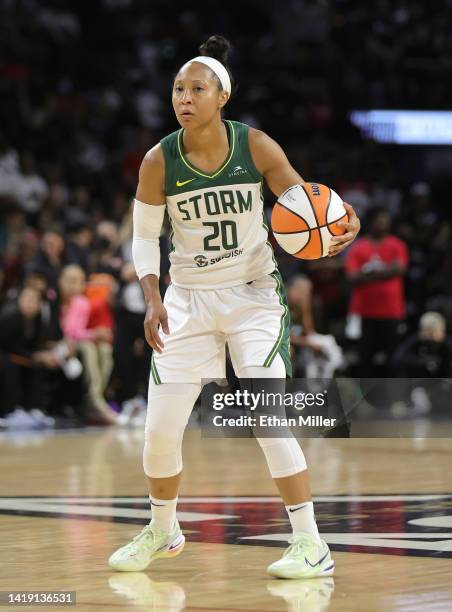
225	288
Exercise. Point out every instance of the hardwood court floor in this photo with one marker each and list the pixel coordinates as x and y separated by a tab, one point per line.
384	505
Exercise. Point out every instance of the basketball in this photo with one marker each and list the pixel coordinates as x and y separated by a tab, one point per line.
304	225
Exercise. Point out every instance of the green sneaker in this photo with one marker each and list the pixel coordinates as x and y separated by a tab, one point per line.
150	544
303	559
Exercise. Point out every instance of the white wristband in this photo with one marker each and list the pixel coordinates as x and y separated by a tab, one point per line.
147	225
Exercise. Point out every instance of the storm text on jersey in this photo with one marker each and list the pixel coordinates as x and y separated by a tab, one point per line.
215	203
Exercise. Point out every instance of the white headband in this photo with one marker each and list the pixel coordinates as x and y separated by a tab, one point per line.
217	67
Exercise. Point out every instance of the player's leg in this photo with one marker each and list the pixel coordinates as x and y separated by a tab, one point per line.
308	556
169	408
259	348
192	350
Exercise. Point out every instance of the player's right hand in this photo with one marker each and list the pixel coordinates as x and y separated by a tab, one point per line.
155	315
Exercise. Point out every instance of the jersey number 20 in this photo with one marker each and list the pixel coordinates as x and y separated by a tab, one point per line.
228	231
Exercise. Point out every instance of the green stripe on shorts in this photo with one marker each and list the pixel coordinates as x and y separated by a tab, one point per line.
155	374
282	344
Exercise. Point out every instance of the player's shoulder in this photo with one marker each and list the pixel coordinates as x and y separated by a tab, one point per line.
238	124
262	146
153	160
257	137
169	145
154	156
240	131
152	169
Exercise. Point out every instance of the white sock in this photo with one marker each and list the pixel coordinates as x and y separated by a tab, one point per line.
302	518
163	513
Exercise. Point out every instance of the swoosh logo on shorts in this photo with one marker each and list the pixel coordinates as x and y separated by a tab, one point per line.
182	183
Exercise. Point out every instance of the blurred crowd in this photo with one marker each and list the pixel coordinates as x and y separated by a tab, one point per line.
85	92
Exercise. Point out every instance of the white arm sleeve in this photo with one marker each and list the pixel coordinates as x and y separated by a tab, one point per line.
147	225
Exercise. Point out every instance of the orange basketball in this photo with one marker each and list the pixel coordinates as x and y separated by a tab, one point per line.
305	218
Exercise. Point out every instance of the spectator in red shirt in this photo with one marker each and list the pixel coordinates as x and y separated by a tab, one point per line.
375	266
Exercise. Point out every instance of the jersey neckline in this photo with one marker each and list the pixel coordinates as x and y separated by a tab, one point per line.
180	146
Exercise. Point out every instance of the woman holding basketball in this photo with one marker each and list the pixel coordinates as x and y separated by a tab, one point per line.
225	288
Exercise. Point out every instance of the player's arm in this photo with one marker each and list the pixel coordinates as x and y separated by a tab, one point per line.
148	213
272	163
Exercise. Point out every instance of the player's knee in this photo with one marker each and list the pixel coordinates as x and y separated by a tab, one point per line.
160	444
162	454
169	408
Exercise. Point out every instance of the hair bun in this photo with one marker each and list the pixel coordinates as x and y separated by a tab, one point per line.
216	46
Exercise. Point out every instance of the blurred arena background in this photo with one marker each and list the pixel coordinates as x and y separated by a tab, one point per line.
85	91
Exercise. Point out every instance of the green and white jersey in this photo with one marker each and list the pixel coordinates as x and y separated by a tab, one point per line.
219	235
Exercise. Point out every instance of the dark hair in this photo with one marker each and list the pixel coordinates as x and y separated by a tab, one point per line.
218	47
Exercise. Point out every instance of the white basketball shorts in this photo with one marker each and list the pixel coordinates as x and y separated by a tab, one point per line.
253	319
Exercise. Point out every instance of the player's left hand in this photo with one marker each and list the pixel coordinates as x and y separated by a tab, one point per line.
352	227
